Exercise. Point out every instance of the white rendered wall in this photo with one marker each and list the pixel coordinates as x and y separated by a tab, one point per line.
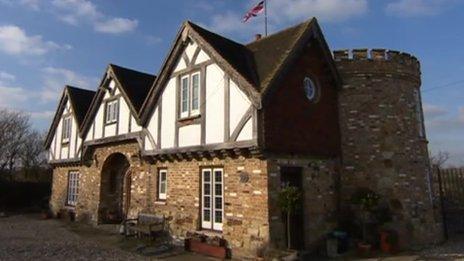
239	104
214	104
168	115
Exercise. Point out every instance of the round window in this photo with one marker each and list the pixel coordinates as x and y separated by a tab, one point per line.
310	89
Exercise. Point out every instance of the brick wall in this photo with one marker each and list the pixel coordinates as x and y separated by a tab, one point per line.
320	199
246	225
382	148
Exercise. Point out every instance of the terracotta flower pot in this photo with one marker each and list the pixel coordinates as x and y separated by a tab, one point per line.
388	242
364	249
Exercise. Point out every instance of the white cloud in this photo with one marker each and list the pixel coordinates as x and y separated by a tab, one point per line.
42	115
54	79
410	8
153	40
15	41
75	12
33	4
290	11
12	97
116	25
433	111
6	77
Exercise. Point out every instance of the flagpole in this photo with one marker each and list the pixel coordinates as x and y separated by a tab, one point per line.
265	17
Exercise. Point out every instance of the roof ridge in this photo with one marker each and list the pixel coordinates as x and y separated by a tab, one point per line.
130	69
79	88
192	24
307	22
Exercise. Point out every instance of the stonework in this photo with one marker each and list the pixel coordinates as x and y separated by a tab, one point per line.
383	148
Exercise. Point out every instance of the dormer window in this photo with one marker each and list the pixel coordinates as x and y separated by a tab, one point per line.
112	111
190	95
66	131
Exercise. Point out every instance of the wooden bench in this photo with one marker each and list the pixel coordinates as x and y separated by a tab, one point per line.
144	224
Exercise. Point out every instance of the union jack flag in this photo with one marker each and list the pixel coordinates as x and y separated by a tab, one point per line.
255	11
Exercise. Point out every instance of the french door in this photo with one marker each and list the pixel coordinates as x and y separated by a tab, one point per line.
212	198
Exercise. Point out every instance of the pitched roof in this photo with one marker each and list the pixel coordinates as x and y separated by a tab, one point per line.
270	52
135	84
236	54
256	66
80	100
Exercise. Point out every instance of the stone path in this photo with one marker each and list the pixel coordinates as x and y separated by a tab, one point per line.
26	237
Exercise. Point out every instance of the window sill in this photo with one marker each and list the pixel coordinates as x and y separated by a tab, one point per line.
189	120
110	123
160	203
209	233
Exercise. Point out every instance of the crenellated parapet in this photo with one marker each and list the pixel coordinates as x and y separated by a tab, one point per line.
378	62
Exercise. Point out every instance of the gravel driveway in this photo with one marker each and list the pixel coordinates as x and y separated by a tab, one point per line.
26	237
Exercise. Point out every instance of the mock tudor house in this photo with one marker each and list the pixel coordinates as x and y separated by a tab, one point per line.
210	141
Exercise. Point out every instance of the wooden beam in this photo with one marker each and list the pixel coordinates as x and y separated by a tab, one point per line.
241	124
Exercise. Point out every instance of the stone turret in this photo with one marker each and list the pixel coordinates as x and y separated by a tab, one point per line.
383	140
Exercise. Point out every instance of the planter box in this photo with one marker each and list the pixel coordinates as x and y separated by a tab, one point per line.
205	248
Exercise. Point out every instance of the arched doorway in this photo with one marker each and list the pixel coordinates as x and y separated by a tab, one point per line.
115	189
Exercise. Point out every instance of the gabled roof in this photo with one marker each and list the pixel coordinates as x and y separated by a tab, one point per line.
257	66
238	56
79	99
134	87
269	53
135	84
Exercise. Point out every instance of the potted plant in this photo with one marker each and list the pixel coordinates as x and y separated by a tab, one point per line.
212	246
289	202
368	201
389	241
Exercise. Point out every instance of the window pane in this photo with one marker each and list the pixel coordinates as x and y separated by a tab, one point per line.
218	176
195	91
185	94
218	203
207	176
218	190
207	202
218	216
207	189
206	215
116	110
163	188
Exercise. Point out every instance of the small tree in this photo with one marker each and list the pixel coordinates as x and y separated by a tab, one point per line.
289	202
439	159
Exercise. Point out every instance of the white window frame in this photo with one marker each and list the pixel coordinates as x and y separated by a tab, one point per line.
189	111
211	223
184	112
67	129
161	195
73	188
112	111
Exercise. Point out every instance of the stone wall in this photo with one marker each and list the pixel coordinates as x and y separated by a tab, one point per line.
382	148
60	187
246	222
320	186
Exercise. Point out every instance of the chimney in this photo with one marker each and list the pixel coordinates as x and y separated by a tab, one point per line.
258	37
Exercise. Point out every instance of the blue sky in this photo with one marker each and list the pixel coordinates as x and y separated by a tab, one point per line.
45	44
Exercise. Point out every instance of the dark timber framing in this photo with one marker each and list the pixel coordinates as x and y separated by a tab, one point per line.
226	107
241	124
